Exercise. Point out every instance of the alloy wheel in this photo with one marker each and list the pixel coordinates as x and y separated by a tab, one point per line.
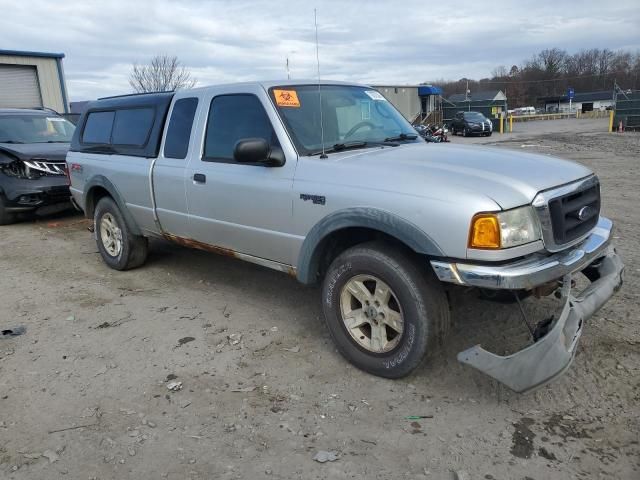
110	235
371	313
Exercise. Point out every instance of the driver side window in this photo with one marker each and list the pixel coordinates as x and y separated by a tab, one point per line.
232	118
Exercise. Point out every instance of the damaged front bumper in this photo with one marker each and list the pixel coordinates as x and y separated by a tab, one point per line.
27	195
553	353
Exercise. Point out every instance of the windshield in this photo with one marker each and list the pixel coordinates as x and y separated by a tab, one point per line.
35	129
474	116
350	115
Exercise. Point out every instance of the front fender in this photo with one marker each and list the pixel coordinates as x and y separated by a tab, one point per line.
363	217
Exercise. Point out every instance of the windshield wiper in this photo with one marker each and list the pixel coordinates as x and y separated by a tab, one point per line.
402	136
337	147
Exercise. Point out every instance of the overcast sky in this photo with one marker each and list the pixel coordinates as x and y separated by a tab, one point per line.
371	41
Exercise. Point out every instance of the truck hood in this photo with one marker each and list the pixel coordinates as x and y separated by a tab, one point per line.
27	151
508	177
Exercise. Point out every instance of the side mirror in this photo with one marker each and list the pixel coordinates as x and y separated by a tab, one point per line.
258	150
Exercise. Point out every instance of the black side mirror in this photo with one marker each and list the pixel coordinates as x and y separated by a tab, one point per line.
258	150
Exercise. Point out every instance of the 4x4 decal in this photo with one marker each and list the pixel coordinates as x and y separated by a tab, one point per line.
316	199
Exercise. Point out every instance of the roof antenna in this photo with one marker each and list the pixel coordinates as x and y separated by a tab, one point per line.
315	21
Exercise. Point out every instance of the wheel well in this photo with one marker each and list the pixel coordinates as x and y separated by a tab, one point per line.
93	197
337	242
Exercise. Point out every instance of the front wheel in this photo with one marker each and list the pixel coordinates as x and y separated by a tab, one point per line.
383	312
120	249
6	218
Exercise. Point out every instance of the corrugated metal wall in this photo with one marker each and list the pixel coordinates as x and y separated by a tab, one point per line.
628	110
405	99
48	79
19	86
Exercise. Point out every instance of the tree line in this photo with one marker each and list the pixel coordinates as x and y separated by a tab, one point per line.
552	71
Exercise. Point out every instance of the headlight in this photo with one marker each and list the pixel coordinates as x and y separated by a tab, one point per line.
504	229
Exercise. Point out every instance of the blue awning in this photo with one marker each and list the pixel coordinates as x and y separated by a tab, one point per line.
425	90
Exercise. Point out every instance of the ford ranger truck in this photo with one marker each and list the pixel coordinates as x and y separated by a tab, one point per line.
330	184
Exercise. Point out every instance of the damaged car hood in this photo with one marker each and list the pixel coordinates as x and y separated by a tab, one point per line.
56	152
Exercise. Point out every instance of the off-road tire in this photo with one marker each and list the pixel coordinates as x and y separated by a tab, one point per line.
419	294
6	218
133	252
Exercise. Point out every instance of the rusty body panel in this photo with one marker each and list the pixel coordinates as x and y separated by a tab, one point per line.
190	243
227	252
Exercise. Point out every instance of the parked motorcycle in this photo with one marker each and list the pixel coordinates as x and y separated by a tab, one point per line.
425	132
439	131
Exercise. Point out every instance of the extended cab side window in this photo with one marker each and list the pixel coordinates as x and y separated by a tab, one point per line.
232	118
127	127
176	145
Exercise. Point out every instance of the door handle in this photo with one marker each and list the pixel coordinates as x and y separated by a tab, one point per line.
199	178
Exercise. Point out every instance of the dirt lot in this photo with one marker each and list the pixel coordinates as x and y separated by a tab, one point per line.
83	393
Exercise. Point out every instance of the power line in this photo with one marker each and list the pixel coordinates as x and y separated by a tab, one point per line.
539	81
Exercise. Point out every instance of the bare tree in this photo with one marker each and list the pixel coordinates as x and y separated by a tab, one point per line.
552	71
163	73
499	72
552	60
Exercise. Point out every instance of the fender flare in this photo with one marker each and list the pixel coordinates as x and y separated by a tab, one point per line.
104	182
363	217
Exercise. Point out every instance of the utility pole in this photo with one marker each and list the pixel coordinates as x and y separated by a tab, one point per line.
288	72
466	96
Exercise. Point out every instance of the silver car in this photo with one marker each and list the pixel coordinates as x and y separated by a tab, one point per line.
330	184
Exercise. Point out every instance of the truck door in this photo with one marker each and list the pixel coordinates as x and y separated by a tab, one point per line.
169	171
243	207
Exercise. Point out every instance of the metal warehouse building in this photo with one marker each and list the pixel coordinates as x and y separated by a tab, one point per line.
32	79
415	102
584	102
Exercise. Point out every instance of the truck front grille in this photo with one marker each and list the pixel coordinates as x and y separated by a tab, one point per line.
574	214
568	213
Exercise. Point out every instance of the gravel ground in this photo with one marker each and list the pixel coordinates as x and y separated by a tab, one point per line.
84	391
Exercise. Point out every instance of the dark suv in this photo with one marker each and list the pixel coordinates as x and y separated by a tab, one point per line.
471	123
33	147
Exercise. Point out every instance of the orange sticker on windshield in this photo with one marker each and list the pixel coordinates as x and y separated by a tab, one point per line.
286	98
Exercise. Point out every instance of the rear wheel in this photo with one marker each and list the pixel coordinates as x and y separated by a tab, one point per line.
6	218
120	249
384	313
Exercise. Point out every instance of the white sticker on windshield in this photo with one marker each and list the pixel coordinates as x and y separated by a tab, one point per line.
55	119
374	95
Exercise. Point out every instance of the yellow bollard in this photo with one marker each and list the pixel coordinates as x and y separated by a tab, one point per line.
511	124
501	124
611	113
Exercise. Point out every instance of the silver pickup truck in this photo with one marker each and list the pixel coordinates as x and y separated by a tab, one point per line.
329	183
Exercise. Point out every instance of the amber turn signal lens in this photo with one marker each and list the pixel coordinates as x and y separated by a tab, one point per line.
485	231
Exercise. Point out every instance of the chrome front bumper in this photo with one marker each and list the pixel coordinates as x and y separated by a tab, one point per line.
531	271
552	354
